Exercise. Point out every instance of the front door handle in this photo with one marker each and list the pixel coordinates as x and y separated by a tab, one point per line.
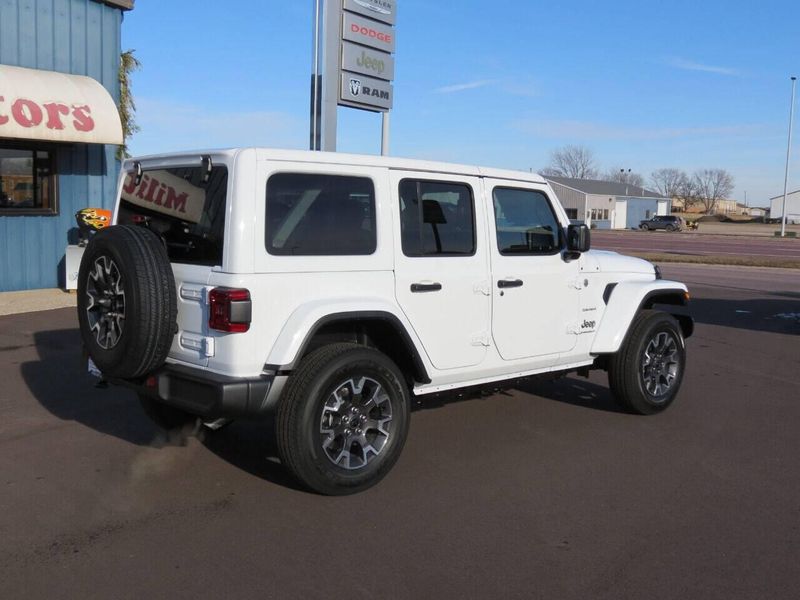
509	283
419	288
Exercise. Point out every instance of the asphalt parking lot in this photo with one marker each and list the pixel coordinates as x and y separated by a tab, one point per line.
543	491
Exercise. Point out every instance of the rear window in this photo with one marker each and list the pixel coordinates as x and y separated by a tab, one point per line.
184	208
320	215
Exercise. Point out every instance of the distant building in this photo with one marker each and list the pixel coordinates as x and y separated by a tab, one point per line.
608	204
757	211
792	207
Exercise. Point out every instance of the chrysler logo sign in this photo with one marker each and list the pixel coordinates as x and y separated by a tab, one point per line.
380	10
378	6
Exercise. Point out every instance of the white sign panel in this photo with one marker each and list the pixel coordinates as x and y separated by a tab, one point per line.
367	61
166	194
367	32
367	92
45	105
382	10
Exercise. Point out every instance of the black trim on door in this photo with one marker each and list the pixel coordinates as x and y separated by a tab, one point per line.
509	283
419	288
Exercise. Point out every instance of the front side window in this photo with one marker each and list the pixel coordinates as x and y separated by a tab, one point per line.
436	218
525	222
320	215
185	206
27	180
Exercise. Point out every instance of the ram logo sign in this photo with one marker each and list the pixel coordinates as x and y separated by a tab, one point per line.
366	92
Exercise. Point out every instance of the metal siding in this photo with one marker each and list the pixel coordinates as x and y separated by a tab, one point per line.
81	37
570	198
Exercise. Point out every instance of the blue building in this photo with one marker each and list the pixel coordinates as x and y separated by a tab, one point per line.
59	128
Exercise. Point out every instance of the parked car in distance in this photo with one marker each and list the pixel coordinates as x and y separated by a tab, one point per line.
667	222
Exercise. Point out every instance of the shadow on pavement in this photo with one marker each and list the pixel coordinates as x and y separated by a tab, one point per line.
251	447
59	382
773	315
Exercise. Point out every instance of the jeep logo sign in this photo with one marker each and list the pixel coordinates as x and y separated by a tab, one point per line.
372	93
358	59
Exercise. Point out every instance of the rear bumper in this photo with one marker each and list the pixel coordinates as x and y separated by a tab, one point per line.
209	395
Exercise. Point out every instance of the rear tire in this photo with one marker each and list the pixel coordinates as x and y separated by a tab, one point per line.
127	303
343	419
646	373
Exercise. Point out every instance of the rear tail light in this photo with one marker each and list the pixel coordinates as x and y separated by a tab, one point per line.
230	310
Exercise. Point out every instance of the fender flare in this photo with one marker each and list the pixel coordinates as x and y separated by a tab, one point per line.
624	303
308	319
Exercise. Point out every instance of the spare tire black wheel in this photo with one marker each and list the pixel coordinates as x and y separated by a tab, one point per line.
127	305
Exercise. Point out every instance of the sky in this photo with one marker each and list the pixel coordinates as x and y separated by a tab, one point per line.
643	84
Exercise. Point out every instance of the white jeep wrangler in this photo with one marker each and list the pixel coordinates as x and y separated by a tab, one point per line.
327	289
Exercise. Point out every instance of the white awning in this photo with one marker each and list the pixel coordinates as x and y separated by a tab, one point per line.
55	107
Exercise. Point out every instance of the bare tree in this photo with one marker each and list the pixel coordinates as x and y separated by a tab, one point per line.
712	185
577	162
624	176
668	182
688	192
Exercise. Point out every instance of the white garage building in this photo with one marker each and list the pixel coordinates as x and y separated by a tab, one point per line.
608	204
792	207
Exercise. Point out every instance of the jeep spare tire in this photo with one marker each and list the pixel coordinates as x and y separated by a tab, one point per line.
127	305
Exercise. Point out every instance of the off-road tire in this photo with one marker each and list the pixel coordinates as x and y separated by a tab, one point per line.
303	406
142	272
627	367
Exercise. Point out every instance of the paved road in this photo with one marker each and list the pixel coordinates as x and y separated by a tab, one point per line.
544	491
695	244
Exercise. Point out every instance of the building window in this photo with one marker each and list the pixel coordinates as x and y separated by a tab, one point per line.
27	180
605	214
572	213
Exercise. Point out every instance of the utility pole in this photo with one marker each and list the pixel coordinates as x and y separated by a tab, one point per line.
788	158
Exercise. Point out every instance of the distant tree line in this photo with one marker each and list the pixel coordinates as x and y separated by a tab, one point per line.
705	187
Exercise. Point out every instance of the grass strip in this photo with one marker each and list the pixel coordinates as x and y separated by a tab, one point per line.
715	259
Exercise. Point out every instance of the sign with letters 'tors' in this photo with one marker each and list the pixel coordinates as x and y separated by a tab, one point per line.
367	64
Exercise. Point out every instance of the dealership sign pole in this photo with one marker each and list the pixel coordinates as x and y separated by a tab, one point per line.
353	64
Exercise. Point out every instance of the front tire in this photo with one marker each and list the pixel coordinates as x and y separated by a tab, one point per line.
646	373
644	227
343	419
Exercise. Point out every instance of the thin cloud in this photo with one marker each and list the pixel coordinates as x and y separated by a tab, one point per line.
461	87
584	130
690	65
167	126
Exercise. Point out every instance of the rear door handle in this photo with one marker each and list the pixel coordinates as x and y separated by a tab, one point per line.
419	288
509	283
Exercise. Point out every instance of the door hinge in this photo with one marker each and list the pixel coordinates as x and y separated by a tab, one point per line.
579	283
484	287
480	339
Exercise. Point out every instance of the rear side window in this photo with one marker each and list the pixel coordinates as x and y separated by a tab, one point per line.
525	222
185	206
436	218
320	215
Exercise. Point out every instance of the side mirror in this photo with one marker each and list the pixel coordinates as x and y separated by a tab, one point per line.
578	238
